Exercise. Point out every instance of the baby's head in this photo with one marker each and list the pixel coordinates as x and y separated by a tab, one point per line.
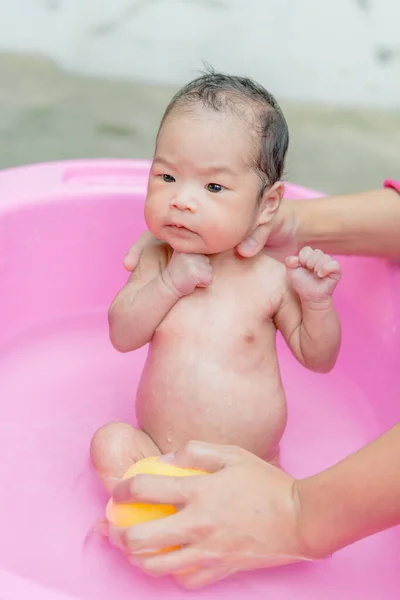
217	166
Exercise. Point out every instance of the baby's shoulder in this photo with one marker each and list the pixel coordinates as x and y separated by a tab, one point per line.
269	265
270	279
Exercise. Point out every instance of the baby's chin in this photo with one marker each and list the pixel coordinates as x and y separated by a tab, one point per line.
183	241
187	248
188	242
194	246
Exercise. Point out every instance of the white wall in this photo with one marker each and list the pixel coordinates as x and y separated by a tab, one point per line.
335	51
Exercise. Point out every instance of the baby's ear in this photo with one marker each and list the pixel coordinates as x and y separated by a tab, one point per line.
270	202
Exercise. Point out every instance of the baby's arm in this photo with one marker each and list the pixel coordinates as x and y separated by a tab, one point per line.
306	316
142	303
153	288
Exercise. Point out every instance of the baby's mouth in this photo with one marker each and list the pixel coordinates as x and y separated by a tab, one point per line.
179	226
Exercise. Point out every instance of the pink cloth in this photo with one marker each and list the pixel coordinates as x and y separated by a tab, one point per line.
391	183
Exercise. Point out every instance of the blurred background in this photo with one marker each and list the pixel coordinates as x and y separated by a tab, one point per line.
91	78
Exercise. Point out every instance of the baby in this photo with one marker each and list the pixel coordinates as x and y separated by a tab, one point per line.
211	317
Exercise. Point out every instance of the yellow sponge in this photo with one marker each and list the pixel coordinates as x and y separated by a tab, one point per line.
126	515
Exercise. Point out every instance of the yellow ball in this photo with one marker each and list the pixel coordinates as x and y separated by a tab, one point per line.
126	515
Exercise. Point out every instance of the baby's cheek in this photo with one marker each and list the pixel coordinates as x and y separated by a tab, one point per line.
152	217
234	232
221	239
216	240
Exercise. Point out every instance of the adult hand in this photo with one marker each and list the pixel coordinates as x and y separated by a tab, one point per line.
241	517
280	235
132	258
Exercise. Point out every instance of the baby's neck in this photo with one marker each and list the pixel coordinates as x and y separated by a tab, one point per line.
225	258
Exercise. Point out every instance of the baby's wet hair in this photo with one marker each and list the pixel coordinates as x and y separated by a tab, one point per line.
221	92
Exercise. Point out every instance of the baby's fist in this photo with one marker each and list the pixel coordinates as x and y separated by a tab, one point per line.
314	274
185	272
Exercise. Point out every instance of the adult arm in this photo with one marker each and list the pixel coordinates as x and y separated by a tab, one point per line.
353	499
365	224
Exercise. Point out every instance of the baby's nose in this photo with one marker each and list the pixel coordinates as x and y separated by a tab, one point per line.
184	202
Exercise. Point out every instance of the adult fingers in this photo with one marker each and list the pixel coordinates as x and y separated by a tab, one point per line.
201	577
133	255
132	258
179	562
153	536
254	243
159	489
204	457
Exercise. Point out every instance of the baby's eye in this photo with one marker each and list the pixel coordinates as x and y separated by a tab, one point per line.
214	188
168	178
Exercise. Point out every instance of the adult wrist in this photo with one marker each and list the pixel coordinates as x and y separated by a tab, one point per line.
314	538
295	216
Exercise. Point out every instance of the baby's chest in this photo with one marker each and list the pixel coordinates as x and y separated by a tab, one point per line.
221	310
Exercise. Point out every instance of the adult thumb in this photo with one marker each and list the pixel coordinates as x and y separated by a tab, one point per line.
254	243
202	456
132	258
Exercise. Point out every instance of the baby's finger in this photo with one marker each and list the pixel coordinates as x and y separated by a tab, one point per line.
304	255
204	282
206	269
205	278
322	260
313	258
331	267
292	262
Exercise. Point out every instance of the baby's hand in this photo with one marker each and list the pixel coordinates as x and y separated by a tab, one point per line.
185	272
314	275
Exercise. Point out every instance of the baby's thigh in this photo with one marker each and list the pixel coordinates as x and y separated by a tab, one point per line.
116	447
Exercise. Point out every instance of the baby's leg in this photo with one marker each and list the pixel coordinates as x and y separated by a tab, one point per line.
116	447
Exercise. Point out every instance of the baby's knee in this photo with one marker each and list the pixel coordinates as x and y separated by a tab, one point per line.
112	452
110	441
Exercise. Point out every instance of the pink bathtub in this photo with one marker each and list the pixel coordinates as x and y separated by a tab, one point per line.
64	230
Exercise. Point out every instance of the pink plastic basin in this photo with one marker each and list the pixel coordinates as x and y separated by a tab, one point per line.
64	230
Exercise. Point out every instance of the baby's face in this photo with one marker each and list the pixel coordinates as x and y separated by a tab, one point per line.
202	195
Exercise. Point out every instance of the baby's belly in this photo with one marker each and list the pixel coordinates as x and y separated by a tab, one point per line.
195	394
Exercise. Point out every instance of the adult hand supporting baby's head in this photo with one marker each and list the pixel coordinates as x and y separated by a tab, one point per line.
243	516
278	234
